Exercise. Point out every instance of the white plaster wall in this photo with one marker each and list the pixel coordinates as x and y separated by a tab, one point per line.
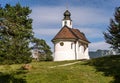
64	52
68	23
81	52
77	48
86	54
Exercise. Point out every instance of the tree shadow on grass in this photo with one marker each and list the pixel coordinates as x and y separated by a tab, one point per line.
109	65
12	78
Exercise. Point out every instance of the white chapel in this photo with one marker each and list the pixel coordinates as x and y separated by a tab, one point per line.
70	43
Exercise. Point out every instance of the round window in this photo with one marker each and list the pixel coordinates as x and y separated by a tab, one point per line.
61	43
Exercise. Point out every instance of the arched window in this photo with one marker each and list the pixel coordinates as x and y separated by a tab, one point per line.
65	22
70	23
85	46
71	45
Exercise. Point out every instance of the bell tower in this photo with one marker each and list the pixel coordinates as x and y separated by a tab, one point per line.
67	20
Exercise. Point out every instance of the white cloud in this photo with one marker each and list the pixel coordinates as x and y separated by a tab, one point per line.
43	16
92	32
80	16
46	32
46	14
99	45
83	16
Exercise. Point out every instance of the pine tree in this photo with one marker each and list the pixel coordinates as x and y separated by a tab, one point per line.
15	34
113	35
43	49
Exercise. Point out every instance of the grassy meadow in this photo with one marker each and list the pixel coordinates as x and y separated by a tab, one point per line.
100	70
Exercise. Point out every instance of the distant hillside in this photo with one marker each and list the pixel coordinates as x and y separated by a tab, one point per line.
99	53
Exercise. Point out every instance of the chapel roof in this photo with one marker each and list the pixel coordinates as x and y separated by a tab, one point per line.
70	33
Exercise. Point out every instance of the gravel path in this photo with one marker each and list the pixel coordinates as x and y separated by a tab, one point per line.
65	64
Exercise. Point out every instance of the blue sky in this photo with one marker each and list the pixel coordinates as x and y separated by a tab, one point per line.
89	16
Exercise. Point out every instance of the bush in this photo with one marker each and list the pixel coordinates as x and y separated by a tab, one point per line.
49	58
45	58
42	58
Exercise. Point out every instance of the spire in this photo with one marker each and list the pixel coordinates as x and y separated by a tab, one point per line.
67	4
67	20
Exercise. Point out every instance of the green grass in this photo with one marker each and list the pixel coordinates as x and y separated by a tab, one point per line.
101	70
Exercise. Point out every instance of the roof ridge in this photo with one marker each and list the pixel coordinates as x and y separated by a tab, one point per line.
63	34
73	32
58	33
83	37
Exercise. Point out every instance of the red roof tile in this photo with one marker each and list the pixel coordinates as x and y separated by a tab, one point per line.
80	35
70	33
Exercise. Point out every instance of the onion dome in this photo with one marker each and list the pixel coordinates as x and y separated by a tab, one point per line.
67	15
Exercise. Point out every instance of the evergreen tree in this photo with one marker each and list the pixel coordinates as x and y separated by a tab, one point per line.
15	34
113	35
43	49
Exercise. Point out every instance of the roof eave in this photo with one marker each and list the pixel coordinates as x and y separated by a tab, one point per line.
87	42
63	39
